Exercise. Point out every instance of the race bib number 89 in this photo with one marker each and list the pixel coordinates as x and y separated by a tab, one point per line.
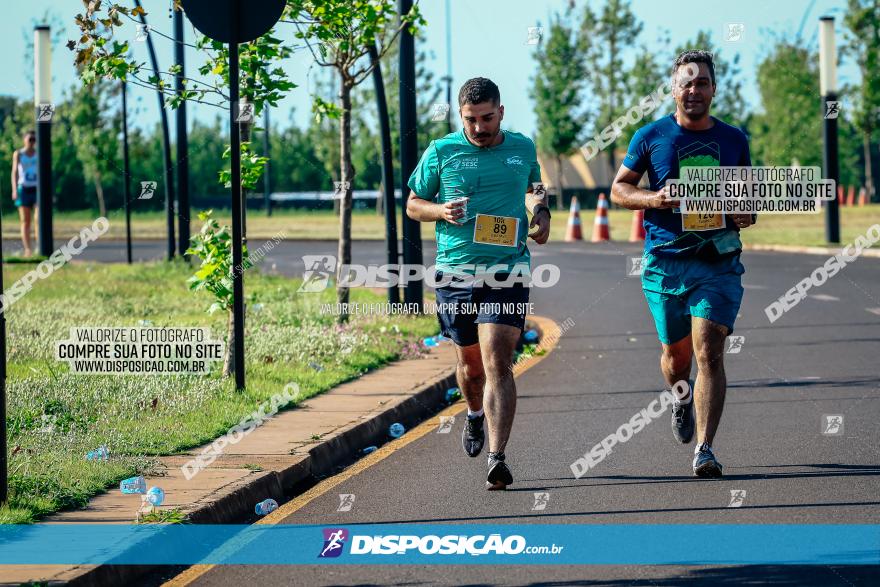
496	230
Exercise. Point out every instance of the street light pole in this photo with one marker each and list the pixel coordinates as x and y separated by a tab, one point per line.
412	230
182	141
830	111
44	112
126	172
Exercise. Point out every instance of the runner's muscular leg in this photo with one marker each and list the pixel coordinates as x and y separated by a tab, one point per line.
470	375
711	385
497	343
675	361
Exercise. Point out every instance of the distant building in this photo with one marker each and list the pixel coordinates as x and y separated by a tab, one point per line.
581	178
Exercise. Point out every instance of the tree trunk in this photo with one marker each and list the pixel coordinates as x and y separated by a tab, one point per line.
869	175
99	192
560	205
346	173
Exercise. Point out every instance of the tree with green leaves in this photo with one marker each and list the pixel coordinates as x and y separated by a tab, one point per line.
863	21
647	74
789	129
728	104
556	90
94	135
338	33
605	39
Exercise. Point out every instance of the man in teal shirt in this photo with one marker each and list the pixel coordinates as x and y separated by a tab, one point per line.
477	185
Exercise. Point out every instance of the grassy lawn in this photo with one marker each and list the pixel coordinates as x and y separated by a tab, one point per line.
803	230
55	417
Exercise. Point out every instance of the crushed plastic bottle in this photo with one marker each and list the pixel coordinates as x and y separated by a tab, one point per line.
99	454
430	342
453	394
368	450
396	430
266	506
133	485
155	496
530	335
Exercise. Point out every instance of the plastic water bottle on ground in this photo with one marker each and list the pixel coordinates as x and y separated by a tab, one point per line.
396	430
133	485
155	496
430	342
453	394
530	335
99	454
266	506
368	450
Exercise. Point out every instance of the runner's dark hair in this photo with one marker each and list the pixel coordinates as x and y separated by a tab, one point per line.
478	90
695	57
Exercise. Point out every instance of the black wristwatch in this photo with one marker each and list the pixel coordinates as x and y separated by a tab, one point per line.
540	207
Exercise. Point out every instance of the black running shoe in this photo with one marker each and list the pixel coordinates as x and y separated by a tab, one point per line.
499	473
683	421
472	437
705	463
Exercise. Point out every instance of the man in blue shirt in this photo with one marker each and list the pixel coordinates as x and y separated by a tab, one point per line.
692	270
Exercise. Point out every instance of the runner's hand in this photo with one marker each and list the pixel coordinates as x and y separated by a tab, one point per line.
661	199
451	212
742	220
542	221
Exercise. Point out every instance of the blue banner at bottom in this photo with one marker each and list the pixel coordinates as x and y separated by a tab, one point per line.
564	544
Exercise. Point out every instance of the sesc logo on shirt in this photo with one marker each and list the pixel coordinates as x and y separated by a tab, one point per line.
464	163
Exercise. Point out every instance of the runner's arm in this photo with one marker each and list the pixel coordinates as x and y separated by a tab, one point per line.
534	200
14	172
625	191
541	220
422	210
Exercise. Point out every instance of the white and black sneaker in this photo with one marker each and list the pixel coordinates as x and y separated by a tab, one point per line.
473	437
499	473
705	463
683	419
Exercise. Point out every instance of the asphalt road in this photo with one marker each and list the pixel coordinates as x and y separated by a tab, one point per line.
820	358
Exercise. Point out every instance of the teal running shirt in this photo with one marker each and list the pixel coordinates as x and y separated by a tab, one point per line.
495	179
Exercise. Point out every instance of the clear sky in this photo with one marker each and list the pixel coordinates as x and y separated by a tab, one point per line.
489	38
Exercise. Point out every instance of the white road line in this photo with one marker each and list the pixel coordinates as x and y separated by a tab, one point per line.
825	298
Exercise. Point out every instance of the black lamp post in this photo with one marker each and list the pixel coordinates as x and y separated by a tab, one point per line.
830	111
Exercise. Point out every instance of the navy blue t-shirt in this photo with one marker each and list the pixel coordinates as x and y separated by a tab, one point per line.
662	148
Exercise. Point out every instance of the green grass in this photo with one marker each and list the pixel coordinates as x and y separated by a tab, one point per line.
55	417
777	229
160	516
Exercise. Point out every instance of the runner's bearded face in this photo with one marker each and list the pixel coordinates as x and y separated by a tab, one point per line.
482	122
693	97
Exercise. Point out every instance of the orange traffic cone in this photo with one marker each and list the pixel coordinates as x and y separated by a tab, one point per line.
851	196
841	201
863	196
601	230
637	232
573	230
